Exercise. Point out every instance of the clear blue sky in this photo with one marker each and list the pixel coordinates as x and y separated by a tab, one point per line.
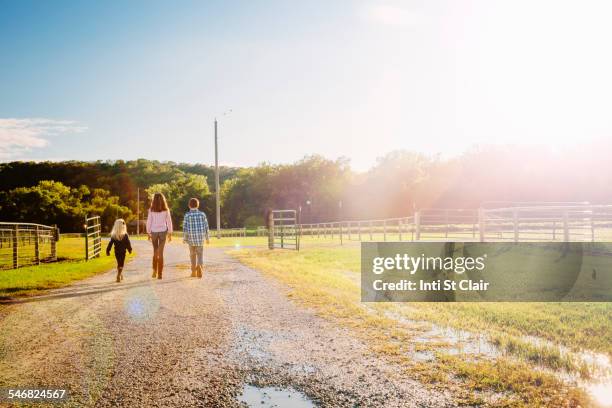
127	79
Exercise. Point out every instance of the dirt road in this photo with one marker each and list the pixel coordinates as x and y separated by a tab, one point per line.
183	342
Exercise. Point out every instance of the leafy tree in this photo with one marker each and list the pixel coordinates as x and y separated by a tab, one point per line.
51	202
180	191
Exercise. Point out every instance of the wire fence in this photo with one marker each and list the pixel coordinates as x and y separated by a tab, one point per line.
23	244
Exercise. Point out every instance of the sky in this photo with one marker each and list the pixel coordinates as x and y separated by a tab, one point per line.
111	80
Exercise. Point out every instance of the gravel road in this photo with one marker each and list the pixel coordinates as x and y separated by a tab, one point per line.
183	342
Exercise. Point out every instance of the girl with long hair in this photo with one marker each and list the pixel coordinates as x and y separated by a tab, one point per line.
120	239
159	227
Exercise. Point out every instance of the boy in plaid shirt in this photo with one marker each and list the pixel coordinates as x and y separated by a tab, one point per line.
195	231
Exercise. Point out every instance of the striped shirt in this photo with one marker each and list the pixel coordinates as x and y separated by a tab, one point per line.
195	227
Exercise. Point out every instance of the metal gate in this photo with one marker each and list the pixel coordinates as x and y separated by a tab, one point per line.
93	237
285	229
23	244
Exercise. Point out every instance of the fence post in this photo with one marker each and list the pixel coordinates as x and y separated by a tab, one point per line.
370	230
359	229
348	230
417	226
515	225
566	233
15	247
270	221
384	230
481	224
446	220
341	238
399	228
54	238
36	247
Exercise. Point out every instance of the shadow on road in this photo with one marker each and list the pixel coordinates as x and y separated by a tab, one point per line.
91	290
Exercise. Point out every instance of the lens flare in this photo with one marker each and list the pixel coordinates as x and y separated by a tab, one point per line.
141	305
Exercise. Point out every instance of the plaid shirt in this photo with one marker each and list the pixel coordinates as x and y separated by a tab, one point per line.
195	227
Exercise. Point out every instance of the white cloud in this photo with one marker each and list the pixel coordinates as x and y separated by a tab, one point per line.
391	15
18	136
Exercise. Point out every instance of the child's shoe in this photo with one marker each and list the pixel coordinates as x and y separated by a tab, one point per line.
199	270
194	272
118	277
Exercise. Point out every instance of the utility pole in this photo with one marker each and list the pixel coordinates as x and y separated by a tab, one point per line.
217	189
137	211
217	195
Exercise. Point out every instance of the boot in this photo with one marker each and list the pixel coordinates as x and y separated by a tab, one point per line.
194	272
154	267
121	274
160	268
199	270
118	275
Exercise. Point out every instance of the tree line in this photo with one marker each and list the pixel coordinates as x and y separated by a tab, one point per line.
400	182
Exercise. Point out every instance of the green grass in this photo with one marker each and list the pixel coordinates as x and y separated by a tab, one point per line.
326	279
71	267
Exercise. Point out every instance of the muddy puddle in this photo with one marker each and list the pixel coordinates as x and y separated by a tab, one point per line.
268	397
599	366
473	346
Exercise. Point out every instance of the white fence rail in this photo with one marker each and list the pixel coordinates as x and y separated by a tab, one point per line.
581	222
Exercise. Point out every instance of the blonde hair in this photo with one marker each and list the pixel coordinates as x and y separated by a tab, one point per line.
119	229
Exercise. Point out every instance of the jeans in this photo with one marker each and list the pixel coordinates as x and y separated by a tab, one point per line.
159	240
196	254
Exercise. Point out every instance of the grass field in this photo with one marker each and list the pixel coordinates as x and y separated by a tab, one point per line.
71	267
529	349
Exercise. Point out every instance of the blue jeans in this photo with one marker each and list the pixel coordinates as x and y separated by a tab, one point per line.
196	254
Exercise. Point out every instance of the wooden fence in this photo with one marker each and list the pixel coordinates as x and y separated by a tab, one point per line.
23	244
583	222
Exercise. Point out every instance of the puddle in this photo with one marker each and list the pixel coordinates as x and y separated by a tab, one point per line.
461	342
451	341
268	397
601	392
599	366
424	355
